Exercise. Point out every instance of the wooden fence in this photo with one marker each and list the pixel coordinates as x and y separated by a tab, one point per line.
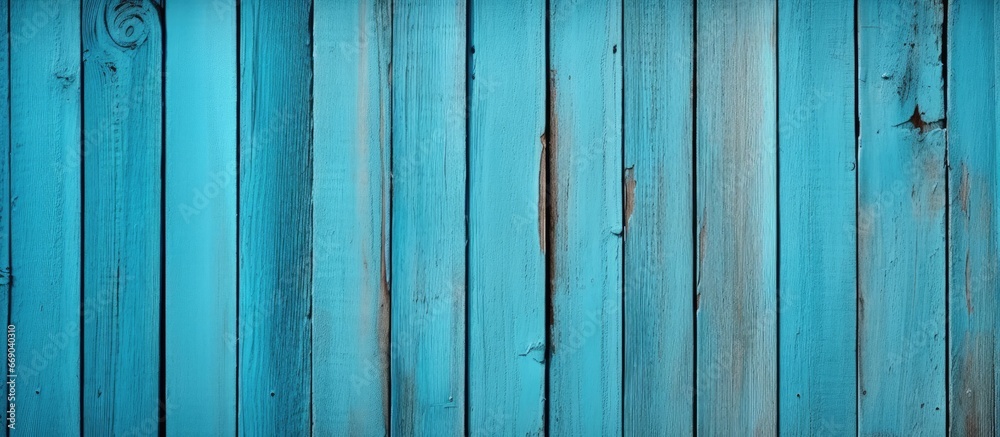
495	217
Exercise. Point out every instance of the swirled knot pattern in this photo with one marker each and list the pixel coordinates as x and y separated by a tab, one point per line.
127	22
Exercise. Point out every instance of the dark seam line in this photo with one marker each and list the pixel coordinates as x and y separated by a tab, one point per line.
777	223
947	222
694	217
312	219
549	257
387	245
624	219
468	88
83	184
857	217
162	419
236	336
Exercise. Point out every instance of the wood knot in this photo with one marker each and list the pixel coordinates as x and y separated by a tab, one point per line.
127	22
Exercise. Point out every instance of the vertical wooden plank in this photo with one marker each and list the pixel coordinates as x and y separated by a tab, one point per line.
506	218
736	217
659	242
351	217
123	49
901	228
818	285
585	217
973	127
45	218
200	214
6	279
428	221
275	217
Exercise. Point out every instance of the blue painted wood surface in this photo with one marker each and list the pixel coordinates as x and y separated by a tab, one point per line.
275	218
200	219
45	145
585	172
351	162
6	278
507	223
659	242
122	207
901	219
428	217
735	101
818	239
254	217
974	254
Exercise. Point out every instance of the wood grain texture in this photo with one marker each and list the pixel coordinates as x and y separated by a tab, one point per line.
736	217
352	102
659	242
6	279
45	218
585	217
200	213
973	128
122	97
507	218
428	217
901	219
275	218
817	272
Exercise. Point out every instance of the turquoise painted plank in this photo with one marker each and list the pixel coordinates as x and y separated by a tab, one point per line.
817	389
351	162
275	218
428	217
6	279
659	242
506	218
736	218
973	128
901	219
122	159
200	212
585	171
45	218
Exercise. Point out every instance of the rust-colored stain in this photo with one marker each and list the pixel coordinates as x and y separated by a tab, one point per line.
917	121
629	195
542	188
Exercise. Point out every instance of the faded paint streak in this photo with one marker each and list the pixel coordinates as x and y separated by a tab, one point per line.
968	282
702	243
963	191
385	315
629	195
